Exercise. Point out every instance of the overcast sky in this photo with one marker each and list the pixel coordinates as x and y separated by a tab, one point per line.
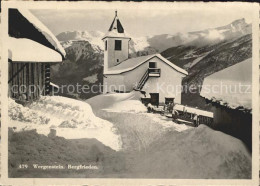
139	22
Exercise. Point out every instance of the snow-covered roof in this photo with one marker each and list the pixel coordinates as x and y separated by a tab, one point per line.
26	50
237	79
41	28
133	63
193	110
116	29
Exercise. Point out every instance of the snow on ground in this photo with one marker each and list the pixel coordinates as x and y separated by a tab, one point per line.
164	149
202	153
135	106
72	119
106	100
130	103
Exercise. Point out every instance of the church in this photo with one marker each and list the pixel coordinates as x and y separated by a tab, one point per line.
154	75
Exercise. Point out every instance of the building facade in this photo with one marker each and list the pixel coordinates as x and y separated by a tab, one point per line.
152	74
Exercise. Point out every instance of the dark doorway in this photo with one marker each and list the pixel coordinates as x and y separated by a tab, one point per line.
155	99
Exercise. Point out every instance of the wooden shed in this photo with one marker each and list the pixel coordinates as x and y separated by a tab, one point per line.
32	48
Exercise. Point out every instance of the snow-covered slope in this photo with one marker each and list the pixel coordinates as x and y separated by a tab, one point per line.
70	118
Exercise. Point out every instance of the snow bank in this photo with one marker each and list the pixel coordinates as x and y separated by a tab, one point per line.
70	118
134	106
201	153
107	100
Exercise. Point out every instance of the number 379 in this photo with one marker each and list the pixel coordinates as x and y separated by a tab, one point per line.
23	166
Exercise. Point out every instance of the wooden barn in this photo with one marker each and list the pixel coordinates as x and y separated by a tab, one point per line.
231	100
32	49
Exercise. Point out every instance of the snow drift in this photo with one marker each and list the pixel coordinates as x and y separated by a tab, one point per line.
200	153
70	118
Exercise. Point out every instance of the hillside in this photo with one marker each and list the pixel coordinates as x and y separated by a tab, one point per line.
203	61
83	66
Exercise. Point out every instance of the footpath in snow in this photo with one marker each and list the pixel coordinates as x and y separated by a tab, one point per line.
130	103
72	119
164	149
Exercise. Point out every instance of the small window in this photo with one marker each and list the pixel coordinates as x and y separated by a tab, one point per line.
152	65
106	45
118	45
117	60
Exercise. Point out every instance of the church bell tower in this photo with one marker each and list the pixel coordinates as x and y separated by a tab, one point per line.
116	43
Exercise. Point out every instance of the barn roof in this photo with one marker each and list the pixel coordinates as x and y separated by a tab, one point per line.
26	50
133	63
23	24
237	79
116	29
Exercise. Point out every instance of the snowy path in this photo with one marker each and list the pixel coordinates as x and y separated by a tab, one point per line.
137	128
155	147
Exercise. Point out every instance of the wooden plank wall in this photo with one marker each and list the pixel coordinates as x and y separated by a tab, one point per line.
32	80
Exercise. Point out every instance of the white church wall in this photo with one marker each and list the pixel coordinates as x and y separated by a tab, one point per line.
168	85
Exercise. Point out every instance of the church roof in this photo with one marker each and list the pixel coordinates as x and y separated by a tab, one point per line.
116	29
133	63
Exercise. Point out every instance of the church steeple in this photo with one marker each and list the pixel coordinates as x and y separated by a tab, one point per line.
116	25
116	45
116	29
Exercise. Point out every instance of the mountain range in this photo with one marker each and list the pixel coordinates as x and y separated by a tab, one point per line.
201	53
